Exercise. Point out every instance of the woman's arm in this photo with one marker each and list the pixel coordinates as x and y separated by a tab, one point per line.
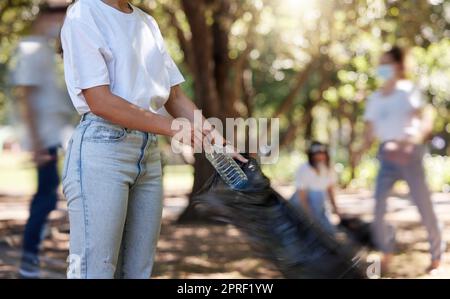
426	115
179	105
368	135
369	138
119	111
333	200
303	197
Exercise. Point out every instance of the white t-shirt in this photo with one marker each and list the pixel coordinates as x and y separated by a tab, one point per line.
393	115
34	64
307	178
104	46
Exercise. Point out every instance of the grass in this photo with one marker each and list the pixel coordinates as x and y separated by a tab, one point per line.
17	173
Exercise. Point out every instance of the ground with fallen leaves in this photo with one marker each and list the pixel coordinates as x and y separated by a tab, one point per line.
219	251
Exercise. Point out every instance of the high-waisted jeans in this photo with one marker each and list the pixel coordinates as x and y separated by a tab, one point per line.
413	173
113	186
318	211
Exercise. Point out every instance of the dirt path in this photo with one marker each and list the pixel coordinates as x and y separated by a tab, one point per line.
218	251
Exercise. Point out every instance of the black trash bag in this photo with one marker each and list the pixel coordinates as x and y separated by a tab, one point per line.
277	231
358	231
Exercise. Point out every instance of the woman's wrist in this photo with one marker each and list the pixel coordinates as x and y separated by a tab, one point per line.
166	127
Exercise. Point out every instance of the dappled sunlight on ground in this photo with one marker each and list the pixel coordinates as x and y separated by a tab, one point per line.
220	251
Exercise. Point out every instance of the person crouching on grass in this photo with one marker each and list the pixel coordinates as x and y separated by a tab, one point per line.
315	181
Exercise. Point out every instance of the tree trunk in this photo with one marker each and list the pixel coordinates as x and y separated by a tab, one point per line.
350	149
217	78
206	95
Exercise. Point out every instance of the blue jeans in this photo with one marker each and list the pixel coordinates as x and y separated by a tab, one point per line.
113	184
44	201
317	209
413	173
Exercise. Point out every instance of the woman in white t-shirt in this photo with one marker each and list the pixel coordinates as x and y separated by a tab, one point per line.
315	181
120	77
394	117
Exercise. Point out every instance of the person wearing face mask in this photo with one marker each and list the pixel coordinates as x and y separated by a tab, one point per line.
393	117
315	181
45	114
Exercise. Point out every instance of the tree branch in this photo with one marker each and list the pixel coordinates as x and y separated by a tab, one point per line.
300	80
183	39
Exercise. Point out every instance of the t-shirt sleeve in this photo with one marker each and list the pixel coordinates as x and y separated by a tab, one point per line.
416	99
84	56
332	177
369	112
175	75
27	65
301	178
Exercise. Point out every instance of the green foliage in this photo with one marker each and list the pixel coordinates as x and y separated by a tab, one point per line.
15	16
342	39
283	172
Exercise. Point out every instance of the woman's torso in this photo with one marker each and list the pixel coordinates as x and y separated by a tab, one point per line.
393	115
312	180
134	52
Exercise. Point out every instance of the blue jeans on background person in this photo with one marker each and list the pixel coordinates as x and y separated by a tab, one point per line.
112	180
413	173
317	209
43	202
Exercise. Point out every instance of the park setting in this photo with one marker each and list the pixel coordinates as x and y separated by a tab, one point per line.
320	73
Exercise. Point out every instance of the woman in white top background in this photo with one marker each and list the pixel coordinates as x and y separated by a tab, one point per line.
394	117
120	77
315	181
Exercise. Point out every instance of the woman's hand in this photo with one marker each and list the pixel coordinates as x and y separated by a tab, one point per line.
236	155
214	137
180	106
203	137
338	214
188	133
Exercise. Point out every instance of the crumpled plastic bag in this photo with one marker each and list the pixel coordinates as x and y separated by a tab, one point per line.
277	231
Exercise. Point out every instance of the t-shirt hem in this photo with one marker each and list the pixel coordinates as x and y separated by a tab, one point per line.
91	84
177	81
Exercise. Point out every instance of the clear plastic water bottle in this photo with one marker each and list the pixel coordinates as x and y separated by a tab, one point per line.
227	168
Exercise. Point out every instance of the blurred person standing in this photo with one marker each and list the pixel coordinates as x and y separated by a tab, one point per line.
315	181
394	116
45	111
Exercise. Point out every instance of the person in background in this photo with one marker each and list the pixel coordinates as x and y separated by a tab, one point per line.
45	111
315	181
393	116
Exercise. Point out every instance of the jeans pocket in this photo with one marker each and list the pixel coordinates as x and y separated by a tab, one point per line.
103	133
67	160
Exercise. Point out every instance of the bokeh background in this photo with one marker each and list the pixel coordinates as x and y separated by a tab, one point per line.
309	63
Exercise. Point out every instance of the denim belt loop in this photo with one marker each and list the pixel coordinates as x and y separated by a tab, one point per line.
83	117
152	137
